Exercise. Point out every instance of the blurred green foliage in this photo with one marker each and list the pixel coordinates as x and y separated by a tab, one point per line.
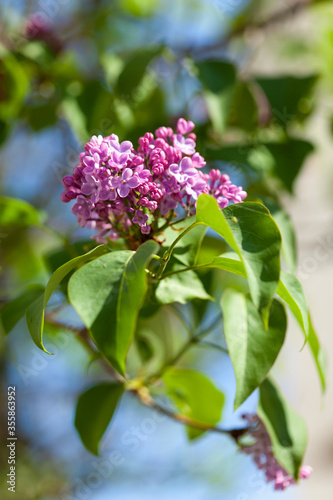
89	72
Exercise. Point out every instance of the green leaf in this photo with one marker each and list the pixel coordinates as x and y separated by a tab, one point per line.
13	311
289	96
134	70
188	247
18	213
211	247
250	230
4	129
285	427
244	108
41	115
35	312
283	160
283	222
288	158
252	349
289	288
14	84
318	353
181	288
108	294
291	291
60	256
94	411
139	8
219	82
75	117
195	396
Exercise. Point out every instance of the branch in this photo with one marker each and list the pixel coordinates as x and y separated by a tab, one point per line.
277	17
194	340
82	334
145	399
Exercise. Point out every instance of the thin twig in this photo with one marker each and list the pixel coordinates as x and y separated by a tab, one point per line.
183	419
182	320
82	334
275	18
194	340
211	345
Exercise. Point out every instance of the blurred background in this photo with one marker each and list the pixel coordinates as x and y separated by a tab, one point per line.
264	113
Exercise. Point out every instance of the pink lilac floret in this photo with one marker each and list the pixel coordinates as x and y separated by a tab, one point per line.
261	451
123	192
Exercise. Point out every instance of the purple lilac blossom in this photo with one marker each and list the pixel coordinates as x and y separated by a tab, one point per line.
124	192
262	454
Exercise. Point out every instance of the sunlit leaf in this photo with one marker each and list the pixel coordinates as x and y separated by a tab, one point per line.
291	291
14	84
139	8
108	293
250	230
18	213
35	312
284	223
195	396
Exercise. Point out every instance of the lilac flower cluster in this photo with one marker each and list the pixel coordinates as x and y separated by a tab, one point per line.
262	454
123	192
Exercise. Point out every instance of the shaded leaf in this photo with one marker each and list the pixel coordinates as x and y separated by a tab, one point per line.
94	411
13	311
40	116
286	428
219	82
134	69
181	288
283	160
288	158
188	247
288	96
244	112
252	349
